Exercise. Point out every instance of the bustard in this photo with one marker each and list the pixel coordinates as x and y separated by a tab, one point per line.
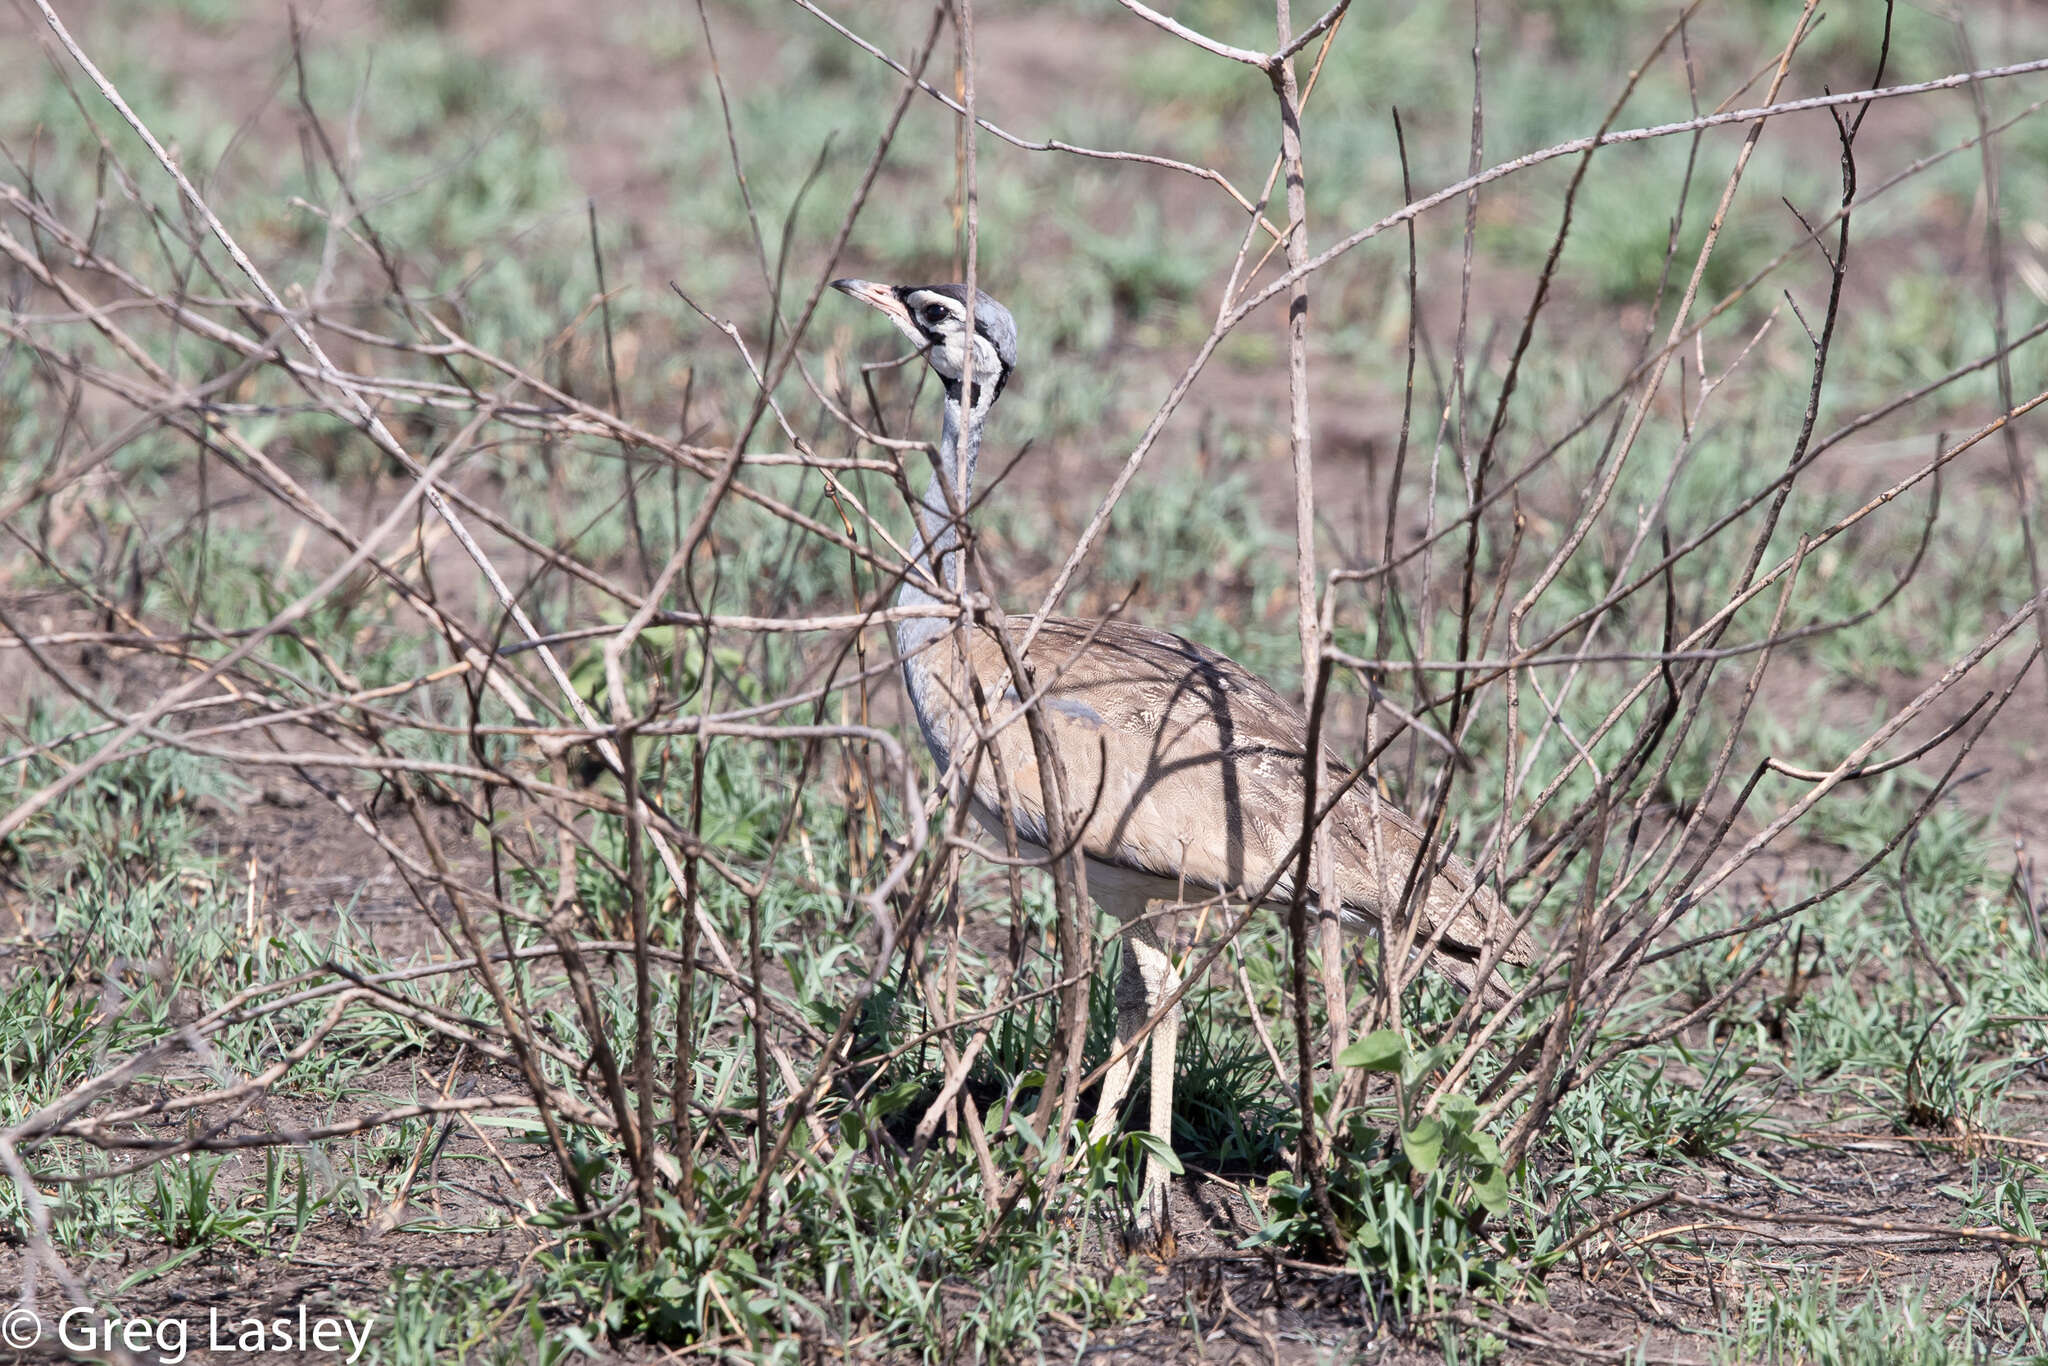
1197	761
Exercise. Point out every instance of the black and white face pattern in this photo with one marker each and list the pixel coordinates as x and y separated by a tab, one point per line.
934	318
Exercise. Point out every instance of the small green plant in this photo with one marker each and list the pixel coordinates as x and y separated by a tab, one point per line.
1410	1197
1811	1325
183	1211
671	1293
856	1244
276	1208
431	1317
1696	1121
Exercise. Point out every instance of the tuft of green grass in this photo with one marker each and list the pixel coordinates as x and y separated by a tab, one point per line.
1812	1323
430	1316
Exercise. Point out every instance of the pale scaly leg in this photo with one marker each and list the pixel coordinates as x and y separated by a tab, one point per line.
1131	1015
1148	979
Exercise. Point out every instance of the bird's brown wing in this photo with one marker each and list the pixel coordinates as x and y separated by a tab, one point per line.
1190	769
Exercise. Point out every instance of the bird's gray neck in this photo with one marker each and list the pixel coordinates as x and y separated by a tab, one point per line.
936	550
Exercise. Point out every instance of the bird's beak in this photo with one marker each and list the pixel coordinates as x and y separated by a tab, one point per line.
879	297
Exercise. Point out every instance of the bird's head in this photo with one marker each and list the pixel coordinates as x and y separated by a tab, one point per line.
934	318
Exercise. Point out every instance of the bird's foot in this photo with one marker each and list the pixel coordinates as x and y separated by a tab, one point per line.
1150	1232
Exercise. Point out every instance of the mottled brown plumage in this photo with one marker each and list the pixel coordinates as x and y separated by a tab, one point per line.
1192	766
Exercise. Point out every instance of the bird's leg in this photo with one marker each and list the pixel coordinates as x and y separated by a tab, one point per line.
1145	947
1147	979
1131	1014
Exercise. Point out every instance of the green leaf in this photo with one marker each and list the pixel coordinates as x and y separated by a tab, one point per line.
1419	1065
898	1098
1458	1110
1158	1147
1491	1190
170	1263
1424	1144
1383	1050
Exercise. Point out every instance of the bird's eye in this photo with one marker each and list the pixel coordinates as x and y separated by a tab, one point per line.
934	314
